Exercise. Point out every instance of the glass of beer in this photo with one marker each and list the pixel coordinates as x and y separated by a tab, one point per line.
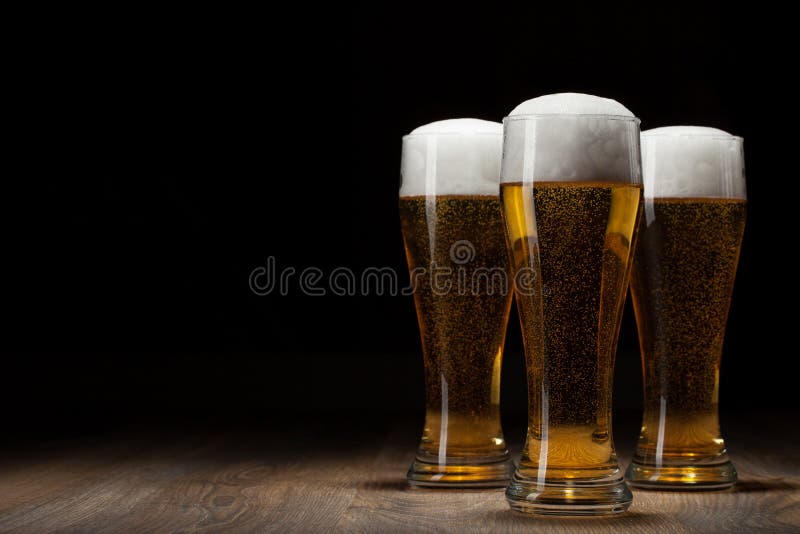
689	242
453	235
571	195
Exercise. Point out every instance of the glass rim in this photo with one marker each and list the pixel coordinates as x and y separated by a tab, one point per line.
719	137
530	116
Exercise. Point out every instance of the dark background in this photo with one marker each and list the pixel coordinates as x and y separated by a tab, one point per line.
161	157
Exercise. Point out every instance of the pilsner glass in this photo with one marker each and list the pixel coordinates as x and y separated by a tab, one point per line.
571	197
694	215
453	235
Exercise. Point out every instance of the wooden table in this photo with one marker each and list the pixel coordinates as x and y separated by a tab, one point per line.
337	476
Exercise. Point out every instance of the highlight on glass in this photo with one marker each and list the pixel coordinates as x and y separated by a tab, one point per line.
571	195
453	235
689	243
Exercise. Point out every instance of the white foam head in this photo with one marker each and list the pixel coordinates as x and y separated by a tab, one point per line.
692	162
571	137
571	104
452	157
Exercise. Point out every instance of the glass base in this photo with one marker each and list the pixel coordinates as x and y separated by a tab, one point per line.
461	472
682	477
581	497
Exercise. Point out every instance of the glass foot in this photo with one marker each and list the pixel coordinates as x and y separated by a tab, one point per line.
461	472
580	497
682	477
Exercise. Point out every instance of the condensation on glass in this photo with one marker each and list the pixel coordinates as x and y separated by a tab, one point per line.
453	235
689	242
571	195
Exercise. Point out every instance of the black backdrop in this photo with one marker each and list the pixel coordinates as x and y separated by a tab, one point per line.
164	156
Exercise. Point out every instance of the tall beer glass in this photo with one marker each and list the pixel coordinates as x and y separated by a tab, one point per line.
694	215
571	196
453	234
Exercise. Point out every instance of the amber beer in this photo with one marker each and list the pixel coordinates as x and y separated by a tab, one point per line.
571	196
682	285
462	328
453	234
585	234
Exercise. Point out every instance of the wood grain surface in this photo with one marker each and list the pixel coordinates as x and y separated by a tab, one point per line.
327	477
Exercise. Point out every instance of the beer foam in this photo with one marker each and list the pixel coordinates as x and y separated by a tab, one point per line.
571	137
452	157
571	104
692	161
459	126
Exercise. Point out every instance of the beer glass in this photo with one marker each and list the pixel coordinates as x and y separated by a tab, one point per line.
453	235
571	196
694	216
